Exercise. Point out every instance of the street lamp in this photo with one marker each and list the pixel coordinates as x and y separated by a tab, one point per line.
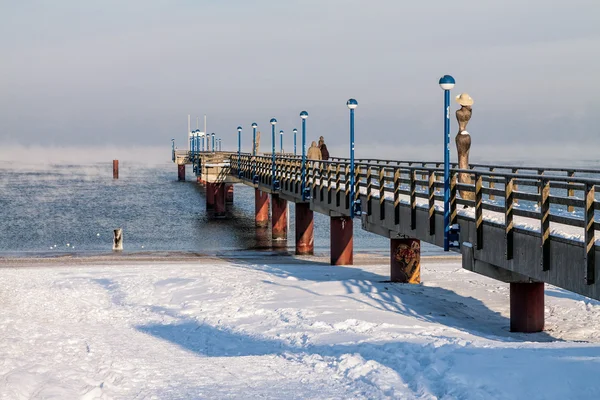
275	183
447	82
191	136
202	134
281	141
213	141
239	129
219	144
295	132
173	149
303	115
254	150
354	204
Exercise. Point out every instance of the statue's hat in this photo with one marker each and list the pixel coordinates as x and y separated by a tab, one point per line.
464	99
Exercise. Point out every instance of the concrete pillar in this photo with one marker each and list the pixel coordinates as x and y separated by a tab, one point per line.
210	196
405	260
261	208
305	236
229	194
220	199
115	169
181	172
341	245
527	307
278	221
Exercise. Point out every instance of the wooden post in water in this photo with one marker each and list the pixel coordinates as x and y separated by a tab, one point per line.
115	169
118	239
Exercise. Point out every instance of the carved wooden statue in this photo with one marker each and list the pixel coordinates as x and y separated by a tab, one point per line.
463	141
256	144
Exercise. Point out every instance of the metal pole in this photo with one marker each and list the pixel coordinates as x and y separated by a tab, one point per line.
446	169
273	154
281	142
239	150
253	151
351	163
213	142
303	183
295	131
173	149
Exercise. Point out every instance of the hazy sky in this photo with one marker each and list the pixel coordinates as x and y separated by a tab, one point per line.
113	72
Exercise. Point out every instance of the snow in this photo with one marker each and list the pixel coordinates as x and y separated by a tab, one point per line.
252	328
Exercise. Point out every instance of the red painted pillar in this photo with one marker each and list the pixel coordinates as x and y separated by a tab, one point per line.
220	199
210	195
341	241
229	194
405	260
527	307
261	208
115	169
181	172
279	221
305	235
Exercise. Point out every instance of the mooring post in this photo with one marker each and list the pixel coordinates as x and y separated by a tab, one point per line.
261	208
527	307
115	169
118	239
405	260
305	237
279	221
181	172
341	241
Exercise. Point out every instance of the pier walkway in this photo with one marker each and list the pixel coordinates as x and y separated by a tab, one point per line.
522	225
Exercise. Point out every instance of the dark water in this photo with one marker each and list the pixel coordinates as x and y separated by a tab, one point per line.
54	209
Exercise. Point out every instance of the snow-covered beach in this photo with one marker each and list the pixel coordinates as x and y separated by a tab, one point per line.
277	327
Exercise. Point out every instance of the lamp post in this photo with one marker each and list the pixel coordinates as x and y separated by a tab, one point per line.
219	144
281	141
447	82
303	116
254	150
202	134
275	184
295	132
352	104
213	141
173	149
191	136
239	129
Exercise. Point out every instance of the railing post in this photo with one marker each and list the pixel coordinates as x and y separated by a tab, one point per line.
589	234
347	187
545	223
491	184
478	211
369	189
396	196
381	193
413	199
338	181
570	191
508	217
431	194
328	183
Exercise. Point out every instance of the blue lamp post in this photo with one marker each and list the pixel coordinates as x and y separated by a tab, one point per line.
354	205
447	83
295	132
303	115
202	134
239	129
219	144
191	136
281	141
213	141
254	150
275	183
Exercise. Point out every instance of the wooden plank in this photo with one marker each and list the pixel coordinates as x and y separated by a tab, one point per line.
381	193
478	211
545	223
413	199
492	185
396	196
431	193
570	192
508	218
369	188
589	235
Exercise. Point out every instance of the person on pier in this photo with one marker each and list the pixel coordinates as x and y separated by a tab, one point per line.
323	148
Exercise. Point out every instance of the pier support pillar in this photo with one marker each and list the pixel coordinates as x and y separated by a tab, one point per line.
527	307
279	221
181	172
341	237
115	169
220	199
405	260
305	236
210	195
229	194
261	208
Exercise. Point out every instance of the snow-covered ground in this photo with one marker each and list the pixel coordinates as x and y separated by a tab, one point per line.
247	329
